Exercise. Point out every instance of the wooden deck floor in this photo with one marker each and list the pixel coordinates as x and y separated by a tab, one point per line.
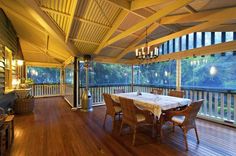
54	129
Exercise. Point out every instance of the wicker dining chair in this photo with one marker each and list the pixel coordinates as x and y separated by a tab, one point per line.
176	93
112	109
157	91
185	119
134	116
119	90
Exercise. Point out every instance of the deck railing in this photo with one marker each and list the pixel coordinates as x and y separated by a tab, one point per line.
45	90
218	104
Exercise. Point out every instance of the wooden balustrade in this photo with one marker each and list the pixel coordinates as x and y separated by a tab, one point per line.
45	90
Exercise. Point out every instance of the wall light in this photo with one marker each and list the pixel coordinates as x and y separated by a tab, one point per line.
20	62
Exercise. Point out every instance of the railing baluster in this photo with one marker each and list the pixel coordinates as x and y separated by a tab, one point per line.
222	105
228	107
234	103
200	97
216	104
205	103
210	103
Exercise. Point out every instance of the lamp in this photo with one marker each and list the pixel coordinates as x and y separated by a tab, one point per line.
146	52
20	62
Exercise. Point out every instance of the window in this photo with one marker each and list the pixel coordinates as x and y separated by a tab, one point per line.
8	68
229	36
177	45
165	48
159	74
183	43
160	50
170	46
43	75
210	72
104	73
207	38
199	39
190	41
218	37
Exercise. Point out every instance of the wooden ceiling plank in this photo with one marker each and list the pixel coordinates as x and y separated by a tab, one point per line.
124	4
92	22
190	9
49	10
138	4
23	18
69	26
115	26
159	14
44	20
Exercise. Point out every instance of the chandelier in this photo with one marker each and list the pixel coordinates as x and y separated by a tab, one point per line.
146	52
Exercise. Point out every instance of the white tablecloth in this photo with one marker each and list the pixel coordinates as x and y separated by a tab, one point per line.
153	103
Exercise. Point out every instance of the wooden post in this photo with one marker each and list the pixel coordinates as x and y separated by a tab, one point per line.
178	74
75	82
132	78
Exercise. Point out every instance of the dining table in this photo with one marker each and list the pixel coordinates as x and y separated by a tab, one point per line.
153	102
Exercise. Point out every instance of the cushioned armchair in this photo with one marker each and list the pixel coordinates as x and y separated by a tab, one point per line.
157	91
185	119
176	93
112	108
134	116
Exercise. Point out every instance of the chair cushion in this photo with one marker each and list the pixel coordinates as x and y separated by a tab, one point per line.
140	117
117	109
178	119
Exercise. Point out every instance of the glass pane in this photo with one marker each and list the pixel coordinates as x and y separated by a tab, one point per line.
104	73
199	39
210	72
165	48
43	75
176	44
170	46
229	36
183	43
158	74
207	38
218	37
190	41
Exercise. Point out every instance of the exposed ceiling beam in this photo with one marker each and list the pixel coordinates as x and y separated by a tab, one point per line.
22	18
138	4
115	26
207	50
72	14
49	10
134	35
34	10
153	27
153	18
190	9
228	14
92	22
94	43
46	51
120	3
29	63
192	18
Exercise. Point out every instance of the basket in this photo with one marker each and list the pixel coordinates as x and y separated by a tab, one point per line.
24	105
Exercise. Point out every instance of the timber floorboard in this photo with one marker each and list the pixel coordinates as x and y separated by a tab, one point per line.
55	130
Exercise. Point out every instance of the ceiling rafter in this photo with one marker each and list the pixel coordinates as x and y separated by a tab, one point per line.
23	18
115	26
55	11
216	19
73	9
138	4
191	18
190	9
44	20
94	43
153	27
159	14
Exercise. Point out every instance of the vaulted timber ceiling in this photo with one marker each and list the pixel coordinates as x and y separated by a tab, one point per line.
110	30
